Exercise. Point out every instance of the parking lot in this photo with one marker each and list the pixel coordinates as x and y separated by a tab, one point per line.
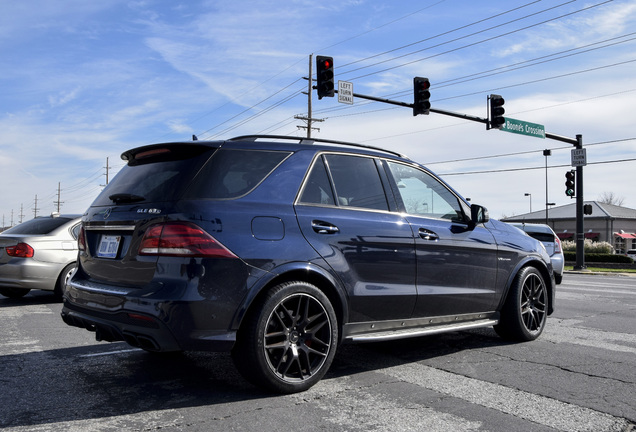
580	375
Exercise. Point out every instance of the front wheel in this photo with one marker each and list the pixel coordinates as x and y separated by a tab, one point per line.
524	313
289	342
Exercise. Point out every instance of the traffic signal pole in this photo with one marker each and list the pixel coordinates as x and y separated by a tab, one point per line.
580	235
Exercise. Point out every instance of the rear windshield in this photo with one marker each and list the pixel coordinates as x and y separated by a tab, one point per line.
38	226
232	173
153	179
543	237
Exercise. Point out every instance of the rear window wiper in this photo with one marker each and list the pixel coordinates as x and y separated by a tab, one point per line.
125	198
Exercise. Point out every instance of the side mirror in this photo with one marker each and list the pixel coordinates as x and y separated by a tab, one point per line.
478	215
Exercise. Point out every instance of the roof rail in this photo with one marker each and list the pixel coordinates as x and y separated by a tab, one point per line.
311	141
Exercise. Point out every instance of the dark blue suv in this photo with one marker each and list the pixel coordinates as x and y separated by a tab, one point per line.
279	249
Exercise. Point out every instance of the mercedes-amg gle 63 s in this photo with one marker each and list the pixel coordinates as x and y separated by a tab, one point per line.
280	249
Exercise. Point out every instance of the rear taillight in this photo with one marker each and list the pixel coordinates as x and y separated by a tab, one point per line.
557	245
182	239
81	240
21	250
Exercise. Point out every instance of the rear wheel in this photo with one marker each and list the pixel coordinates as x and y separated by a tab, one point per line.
14	292
288	344
63	279
524	314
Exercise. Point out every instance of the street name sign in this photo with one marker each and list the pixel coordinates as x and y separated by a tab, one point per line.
345	92
523	128
579	157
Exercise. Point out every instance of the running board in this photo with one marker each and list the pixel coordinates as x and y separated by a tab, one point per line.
368	332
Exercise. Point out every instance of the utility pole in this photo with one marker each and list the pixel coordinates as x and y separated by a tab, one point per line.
546	153
107	169
35	207
21	214
59	194
309	119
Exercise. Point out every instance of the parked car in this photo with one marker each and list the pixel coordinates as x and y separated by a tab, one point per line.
631	253
38	254
279	249
552	244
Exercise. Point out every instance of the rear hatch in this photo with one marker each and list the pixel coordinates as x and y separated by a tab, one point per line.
144	193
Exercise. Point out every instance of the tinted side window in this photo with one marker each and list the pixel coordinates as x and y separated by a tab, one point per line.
356	182
232	173
424	195
317	189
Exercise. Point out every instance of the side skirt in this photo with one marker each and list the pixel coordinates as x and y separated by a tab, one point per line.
399	329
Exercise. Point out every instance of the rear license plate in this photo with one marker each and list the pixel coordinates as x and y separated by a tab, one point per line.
108	246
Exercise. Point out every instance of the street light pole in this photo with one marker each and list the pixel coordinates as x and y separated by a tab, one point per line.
546	153
530	195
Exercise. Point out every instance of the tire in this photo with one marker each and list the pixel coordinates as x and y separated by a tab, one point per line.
62	280
14	292
288	343
524	314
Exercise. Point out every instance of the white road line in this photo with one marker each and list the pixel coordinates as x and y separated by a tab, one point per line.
109	353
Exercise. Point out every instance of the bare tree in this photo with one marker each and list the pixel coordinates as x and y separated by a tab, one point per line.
611	198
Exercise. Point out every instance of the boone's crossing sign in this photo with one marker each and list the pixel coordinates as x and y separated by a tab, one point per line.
523	128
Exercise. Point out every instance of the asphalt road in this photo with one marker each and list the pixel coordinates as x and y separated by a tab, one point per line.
580	375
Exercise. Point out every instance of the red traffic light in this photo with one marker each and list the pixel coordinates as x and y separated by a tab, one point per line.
324	77
421	96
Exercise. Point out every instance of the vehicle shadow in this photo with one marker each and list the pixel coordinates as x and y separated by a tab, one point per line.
33	297
425	349
106	380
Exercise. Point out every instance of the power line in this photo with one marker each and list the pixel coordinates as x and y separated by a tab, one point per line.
524	152
251	108
475	43
530	168
458	38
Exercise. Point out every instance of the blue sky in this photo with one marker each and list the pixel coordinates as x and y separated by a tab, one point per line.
83	81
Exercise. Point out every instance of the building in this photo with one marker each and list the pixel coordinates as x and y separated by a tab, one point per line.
609	223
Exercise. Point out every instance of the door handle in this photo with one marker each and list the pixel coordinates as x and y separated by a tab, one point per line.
428	235
324	227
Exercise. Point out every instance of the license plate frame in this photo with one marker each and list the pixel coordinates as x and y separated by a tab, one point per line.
109	246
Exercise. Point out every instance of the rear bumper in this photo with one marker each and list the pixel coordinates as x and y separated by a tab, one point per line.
147	319
137	330
29	274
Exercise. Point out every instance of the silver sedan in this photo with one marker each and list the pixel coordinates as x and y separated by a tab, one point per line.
38	254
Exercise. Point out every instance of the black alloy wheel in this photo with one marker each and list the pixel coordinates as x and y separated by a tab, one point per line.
525	311
289	343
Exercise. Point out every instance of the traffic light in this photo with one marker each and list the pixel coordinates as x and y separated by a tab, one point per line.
324	75
497	111
570	178
421	96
